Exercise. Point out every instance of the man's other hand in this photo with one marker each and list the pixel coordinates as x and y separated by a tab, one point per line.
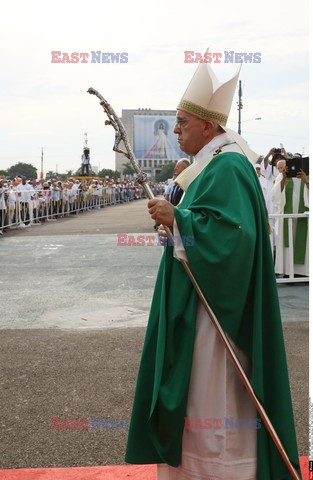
162	236
161	211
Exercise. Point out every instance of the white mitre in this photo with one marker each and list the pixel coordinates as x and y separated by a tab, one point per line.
209	99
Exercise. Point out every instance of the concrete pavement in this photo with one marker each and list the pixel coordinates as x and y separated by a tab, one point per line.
66	286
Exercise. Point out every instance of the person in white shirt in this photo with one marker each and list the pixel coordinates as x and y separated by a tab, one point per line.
3	190
270	172
291	195
25	196
34	205
12	202
262	180
177	193
85	162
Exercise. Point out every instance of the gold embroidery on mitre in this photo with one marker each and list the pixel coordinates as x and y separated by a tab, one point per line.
202	113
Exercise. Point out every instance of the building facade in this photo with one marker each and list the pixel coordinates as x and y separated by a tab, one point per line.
150	134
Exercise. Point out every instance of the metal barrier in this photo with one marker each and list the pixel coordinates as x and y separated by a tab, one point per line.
32	207
48	205
291	217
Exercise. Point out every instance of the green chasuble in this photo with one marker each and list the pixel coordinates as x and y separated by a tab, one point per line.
302	223
223	212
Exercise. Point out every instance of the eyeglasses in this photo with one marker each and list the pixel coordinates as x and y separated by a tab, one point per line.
181	123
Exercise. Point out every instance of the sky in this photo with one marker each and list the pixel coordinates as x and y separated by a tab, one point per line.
45	104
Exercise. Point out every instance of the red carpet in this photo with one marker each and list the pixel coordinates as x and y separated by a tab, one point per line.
122	472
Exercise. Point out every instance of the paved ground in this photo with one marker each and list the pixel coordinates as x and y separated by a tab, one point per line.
66	285
132	217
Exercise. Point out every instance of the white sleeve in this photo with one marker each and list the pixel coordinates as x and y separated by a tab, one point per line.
278	196
169	188
266	172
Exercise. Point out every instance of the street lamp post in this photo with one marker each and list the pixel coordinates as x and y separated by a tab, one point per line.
41	165
240	107
41	174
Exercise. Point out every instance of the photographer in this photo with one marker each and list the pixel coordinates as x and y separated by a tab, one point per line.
270	172
291	195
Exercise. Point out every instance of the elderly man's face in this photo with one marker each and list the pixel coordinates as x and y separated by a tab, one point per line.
190	131
281	166
179	167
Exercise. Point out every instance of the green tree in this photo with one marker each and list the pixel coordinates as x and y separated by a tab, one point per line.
166	172
78	173
56	175
107	172
22	169
4	173
128	170
61	176
50	175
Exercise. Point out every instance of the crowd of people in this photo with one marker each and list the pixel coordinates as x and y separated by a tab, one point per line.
26	202
286	195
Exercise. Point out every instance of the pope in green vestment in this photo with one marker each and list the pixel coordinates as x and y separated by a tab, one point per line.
223	212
